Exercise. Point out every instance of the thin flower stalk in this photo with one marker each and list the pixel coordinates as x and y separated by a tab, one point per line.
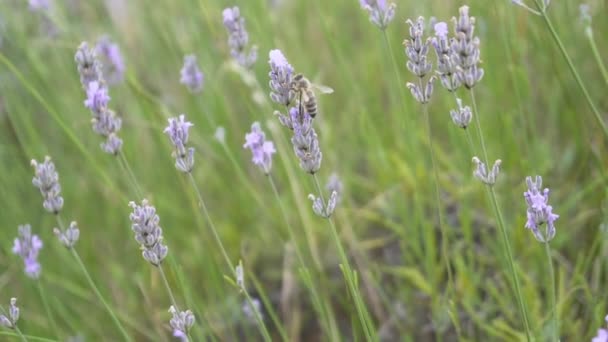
596	112
586	20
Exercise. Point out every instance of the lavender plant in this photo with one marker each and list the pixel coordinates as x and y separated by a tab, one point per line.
191	75
238	38
113	64
261	149
381	12
27	246
105	121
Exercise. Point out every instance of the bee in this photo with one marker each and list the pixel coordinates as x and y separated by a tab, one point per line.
304	89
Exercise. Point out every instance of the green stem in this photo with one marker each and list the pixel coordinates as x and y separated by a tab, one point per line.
552	293
596	54
130	174
444	237
27	337
167	286
348	275
479	131
94	287
20	334
47	308
401	85
216	236
515	278
577	77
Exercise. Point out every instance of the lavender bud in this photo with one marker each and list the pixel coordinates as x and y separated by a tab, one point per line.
177	130
27	246
481	172
465	51
181	322
46	180
461	117
586	18
113	143
334	184
240	276
539	211
97	97
89	67
10	321
191	75
446	68
380	12
148	233
238	39
280	75
220	135
113	66
322	210
419	95
69	237
261	149
417	48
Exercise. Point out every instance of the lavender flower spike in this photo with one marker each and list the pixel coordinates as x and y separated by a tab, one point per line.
465	49
539	211
47	180
68	237
261	149
446	67
320	208
97	98
238	39
280	75
181	322
177	130
481	171
113	66
27	246
417	48
380	12
191	75
10	321
305	141
88	65
461	117
148	233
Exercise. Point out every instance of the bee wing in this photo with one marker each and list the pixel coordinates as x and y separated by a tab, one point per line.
323	89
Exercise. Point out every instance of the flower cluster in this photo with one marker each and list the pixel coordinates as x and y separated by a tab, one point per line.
381	13
539	211
602	334
69	236
181	322
416	50
261	149
321	209
148	233
305	141
191	75
465	49
105	122
447	69
238	39
46	179
113	64
481	171
27	246
461	117
177	130
280	74
10	321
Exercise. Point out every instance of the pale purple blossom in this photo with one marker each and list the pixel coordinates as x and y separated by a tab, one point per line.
89	67
238	39
381	12
539	212
148	233
261	149
602	334
191	75
10	320
113	64
177	130
68	237
482	173
39	5
97	97
181	322
27	246
46	179
280	75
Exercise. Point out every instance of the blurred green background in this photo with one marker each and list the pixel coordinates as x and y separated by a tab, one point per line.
372	135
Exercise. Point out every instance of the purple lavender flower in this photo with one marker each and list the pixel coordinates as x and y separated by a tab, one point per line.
181	322
238	39
461	117
191	75
280	75
305	141
46	180
261	149
97	97
465	49
539	211
39	5
27	246
113	66
177	130
10	321
481	171
380	12
446	68
602	334
70	236
148	233
88	65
